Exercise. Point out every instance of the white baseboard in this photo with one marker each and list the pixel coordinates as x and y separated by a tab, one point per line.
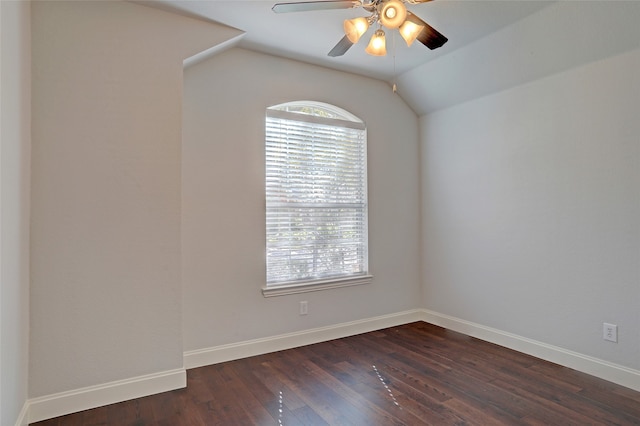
618	374
60	404
615	373
217	354
23	417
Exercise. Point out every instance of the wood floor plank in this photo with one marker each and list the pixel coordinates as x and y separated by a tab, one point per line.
322	399
378	405
415	374
471	392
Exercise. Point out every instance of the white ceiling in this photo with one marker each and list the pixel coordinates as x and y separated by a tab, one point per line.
493	45
308	36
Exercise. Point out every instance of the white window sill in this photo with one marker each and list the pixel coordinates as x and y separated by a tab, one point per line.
306	287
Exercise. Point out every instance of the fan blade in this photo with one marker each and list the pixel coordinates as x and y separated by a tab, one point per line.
341	48
429	36
304	6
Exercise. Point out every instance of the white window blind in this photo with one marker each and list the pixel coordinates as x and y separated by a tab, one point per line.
316	196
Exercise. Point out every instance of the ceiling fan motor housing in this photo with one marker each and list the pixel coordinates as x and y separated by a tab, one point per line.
392	13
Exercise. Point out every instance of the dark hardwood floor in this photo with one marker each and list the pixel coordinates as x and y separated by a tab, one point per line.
415	374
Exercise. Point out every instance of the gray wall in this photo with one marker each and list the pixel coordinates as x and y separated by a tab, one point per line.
15	145
531	209
223	222
105	259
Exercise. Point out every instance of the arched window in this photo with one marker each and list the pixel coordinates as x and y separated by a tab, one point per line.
316	196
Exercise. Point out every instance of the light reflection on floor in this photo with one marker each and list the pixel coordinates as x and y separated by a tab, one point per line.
393	398
382	380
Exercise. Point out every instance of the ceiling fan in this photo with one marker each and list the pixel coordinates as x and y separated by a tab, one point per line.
391	14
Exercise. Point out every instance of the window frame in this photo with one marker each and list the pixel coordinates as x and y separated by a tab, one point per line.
331	116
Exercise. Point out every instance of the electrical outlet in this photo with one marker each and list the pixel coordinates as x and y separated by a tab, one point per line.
610	332
304	307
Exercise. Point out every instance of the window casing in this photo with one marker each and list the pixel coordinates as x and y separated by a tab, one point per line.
316	198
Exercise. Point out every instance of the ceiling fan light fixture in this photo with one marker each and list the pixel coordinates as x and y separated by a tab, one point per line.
392	13
410	31
354	28
377	46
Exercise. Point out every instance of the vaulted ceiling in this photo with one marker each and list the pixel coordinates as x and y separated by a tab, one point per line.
492	45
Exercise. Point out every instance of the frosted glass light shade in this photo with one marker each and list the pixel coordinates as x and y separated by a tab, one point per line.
377	46
392	14
354	28
410	31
